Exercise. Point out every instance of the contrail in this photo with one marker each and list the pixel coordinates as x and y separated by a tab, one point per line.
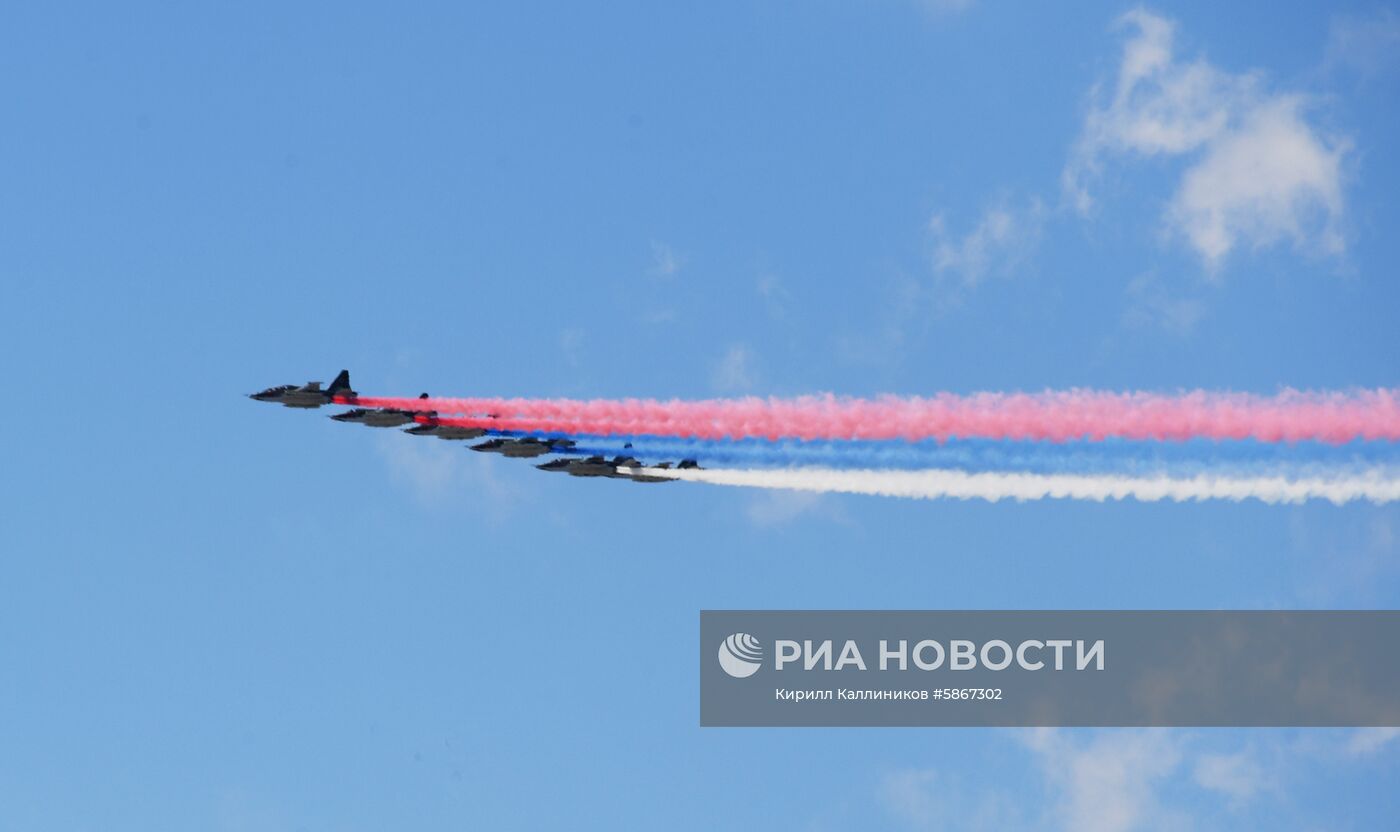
1058	416
1376	487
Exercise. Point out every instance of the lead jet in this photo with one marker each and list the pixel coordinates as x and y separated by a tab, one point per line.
525	447
310	395
382	417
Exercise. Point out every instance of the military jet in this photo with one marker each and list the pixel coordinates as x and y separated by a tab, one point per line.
529	446
634	471
382	417
310	395
593	466
619	467
430	425
441	431
635	474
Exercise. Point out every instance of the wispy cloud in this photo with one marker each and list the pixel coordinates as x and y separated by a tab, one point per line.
884	344
775	295
778	508
1151	305
934	800
1120	780
1000	241
665	262
1366	43
1358	559
735	372
1108	783
571	344
439	474
1369	741
656	297
1238	775
1259	172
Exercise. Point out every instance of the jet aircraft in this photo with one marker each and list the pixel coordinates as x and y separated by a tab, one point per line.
309	395
592	466
529	446
430	425
383	417
619	467
634	471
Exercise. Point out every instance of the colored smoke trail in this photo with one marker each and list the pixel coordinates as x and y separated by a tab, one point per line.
1077	444
1375	487
1113	456
1057	416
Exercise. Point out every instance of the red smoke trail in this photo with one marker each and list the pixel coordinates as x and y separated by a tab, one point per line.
1054	415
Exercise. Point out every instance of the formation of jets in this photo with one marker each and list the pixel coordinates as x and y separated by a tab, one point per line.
427	423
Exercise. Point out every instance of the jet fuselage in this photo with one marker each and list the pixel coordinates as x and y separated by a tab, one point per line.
446	431
378	418
523	448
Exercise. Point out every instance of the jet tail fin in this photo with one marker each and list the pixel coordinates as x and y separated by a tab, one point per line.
341	384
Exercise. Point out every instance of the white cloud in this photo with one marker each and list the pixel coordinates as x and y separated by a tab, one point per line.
1357	561
1000	241
1238	775
439	474
735	372
775	295
1151	305
571	343
1258	172
884	343
1108	783
665	262
1368	741
1117	780
1271	178
1368	44
930	799
778	508
914	796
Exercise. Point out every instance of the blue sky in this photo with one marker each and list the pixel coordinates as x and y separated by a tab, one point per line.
218	615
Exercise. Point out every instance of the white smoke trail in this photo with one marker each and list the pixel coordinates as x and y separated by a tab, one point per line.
1376	486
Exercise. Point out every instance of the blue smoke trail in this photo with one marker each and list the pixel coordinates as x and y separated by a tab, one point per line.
1112	456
